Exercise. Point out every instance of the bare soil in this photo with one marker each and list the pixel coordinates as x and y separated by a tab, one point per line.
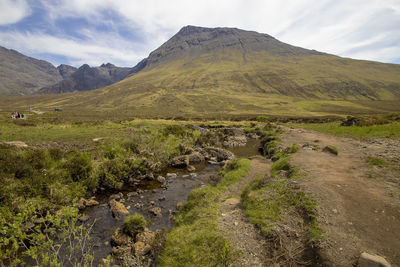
357	211
244	236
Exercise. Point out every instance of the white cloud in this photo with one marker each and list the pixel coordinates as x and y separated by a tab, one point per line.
12	11
92	52
342	27
325	25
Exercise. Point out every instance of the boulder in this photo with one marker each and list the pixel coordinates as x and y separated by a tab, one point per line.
121	253
91	202
219	153
116	196
161	179
156	211
80	204
180	161
179	205
132	194
142	248
83	203
118	209
234	141
190	168
120	239
172	175
186	160
370	260
16	143
195	157
146	237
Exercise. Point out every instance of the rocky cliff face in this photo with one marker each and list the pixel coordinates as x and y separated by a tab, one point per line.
87	78
66	70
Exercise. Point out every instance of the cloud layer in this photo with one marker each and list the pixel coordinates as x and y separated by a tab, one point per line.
125	31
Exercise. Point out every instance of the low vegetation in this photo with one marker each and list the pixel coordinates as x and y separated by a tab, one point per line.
134	224
62	164
277	206
196	240
331	149
385	126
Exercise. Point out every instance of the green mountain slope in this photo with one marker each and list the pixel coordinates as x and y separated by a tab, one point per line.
211	72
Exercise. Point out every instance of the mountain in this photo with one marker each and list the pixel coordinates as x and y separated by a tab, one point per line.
226	59
87	78
228	72
66	70
21	75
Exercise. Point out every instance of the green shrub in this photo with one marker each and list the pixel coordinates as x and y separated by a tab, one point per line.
134	224
113	173
79	166
262	118
294	148
56	153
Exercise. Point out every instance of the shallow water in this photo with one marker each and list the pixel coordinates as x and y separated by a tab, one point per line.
164	196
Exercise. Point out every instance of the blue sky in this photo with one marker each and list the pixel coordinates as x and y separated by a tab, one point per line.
125	31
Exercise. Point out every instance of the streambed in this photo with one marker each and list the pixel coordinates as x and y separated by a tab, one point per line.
151	194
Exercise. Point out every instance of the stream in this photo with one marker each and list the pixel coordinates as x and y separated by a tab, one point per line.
165	196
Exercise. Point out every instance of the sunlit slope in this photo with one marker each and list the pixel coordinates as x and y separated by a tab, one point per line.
203	72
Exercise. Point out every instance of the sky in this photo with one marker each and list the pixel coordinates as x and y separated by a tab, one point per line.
123	32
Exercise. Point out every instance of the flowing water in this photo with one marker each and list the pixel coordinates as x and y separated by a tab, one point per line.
152	192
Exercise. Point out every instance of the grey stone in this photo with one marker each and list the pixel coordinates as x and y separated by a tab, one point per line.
370	260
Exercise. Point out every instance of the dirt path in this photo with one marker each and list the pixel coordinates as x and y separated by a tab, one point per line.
357	213
242	234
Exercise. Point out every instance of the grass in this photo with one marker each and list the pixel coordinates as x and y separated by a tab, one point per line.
373	161
331	149
133	224
270	200
390	130
196	240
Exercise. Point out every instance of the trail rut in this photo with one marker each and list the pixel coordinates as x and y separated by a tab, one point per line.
243	235
357	213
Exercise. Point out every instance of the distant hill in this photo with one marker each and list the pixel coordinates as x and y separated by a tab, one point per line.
225	72
21	75
87	78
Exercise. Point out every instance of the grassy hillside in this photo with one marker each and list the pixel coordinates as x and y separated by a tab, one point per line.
222	73
20	75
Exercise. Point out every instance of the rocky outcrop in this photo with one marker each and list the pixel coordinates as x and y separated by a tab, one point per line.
87	78
219	153
83	203
156	211
186	160
120	239
125	247
118	209
214	153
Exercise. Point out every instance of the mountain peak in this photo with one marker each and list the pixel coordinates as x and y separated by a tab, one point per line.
193	41
108	65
